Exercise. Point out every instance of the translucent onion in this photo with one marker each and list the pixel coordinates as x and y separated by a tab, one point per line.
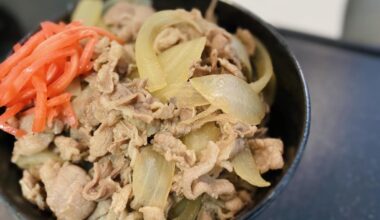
186	209
147	61
177	60
245	167
88	12
26	162
185	95
232	95
197	140
269	91
264	67
242	54
204	114
152	179
109	3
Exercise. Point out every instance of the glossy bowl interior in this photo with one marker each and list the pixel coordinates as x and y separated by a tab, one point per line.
289	118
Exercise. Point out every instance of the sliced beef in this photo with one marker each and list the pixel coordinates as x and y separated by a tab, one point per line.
267	153
101	210
120	199
125	19
69	149
63	186
167	38
100	142
205	165
102	185
32	190
106	77
31	144
173	149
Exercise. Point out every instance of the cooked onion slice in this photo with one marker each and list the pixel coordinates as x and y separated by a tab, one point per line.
177	60
186	209
245	167
232	95
88	12
242	54
147	61
152	179
176	63
264	67
197	140
185	95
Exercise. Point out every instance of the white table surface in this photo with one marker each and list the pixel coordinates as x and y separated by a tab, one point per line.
319	17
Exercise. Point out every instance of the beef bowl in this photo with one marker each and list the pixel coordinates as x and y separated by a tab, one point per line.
218	137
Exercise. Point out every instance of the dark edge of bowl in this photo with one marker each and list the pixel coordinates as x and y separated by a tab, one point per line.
267	201
306	126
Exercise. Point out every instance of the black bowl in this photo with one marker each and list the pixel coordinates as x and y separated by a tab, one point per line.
289	118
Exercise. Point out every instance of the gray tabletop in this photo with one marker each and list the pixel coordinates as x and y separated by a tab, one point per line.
339	175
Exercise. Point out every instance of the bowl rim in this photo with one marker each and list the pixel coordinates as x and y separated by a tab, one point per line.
280	186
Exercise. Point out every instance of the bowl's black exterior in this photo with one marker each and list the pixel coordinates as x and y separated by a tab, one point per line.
289	119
